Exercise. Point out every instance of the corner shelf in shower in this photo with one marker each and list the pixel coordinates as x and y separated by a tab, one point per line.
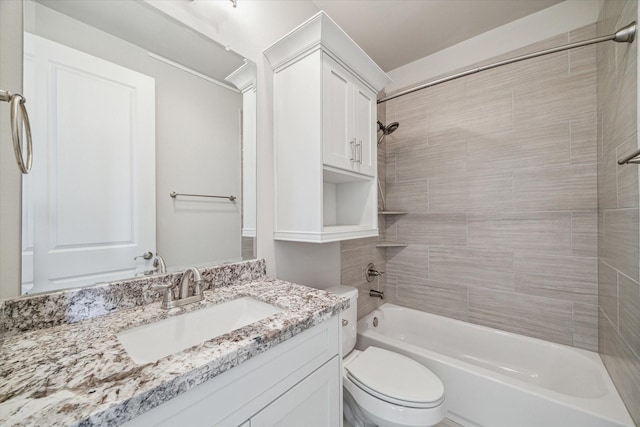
384	244
392	213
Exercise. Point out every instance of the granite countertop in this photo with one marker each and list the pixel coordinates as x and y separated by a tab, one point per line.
79	373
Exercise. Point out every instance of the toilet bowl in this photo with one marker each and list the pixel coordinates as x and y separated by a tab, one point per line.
384	388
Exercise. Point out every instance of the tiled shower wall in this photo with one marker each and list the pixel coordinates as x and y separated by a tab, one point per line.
619	229
498	173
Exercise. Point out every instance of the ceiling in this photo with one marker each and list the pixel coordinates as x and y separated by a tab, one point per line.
397	32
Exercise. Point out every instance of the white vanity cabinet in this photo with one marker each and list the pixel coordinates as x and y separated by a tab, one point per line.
325	150
296	383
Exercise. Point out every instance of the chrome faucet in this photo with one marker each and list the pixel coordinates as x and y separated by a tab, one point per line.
159	264
377	294
184	283
371	272
171	300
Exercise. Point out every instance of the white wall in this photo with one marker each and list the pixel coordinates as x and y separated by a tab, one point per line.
249	30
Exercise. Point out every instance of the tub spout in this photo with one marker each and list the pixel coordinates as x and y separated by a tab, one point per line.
377	294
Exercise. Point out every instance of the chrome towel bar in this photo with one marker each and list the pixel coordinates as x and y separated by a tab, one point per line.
174	195
19	117
631	158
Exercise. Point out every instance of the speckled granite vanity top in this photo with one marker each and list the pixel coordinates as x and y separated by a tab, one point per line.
79	374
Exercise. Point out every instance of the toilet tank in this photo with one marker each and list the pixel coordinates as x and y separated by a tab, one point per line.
349	317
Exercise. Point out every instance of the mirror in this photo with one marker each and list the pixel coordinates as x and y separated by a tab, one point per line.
128	105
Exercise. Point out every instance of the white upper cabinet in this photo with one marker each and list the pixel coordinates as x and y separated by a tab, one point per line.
349	117
325	151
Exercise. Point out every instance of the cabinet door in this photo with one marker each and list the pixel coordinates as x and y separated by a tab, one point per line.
364	118
338	142
313	402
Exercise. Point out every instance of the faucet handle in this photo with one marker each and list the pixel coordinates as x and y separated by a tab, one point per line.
371	272
167	300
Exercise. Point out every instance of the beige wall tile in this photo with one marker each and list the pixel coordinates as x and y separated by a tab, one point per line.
556	188
606	84
552	102
423	162
607	181
534	231
609	16
608	291
627	175
544	145
582	60
621	247
489	192
410	196
473	192
619	118
585	326
523	314
412	117
487	113
509	164
410	261
626	53
446	103
444	299
540	70
351	269
472	267
566	278
390	171
494	152
622	364
584	135
629	311
366	304
433	229
619	261
584	233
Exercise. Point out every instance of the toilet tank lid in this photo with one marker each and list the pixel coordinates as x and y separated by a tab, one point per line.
347	291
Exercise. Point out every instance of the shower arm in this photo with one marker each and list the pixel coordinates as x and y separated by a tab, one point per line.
624	35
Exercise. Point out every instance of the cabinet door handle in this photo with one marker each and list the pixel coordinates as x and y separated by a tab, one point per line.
359	147
353	157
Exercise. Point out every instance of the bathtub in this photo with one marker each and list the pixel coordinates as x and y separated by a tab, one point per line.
499	379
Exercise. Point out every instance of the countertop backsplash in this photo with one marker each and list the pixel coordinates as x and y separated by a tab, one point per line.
45	310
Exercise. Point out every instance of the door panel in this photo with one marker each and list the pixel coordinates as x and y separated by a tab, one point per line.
365	122
92	189
313	402
337	121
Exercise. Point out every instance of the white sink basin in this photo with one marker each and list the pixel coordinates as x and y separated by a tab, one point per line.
156	340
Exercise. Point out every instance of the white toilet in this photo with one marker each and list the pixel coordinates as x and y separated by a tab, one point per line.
383	388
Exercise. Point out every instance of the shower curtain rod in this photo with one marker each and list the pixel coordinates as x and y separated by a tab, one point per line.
624	35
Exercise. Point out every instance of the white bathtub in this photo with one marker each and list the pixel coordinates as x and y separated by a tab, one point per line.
494	378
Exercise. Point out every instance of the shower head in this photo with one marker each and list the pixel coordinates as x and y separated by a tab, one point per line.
391	128
386	130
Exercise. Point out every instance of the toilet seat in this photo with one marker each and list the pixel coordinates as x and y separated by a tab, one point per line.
395	379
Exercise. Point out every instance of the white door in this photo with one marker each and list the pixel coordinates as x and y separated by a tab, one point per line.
338	143
90	199
313	402
364	118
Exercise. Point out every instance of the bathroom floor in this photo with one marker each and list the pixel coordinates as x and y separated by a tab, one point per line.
448	423
445	423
